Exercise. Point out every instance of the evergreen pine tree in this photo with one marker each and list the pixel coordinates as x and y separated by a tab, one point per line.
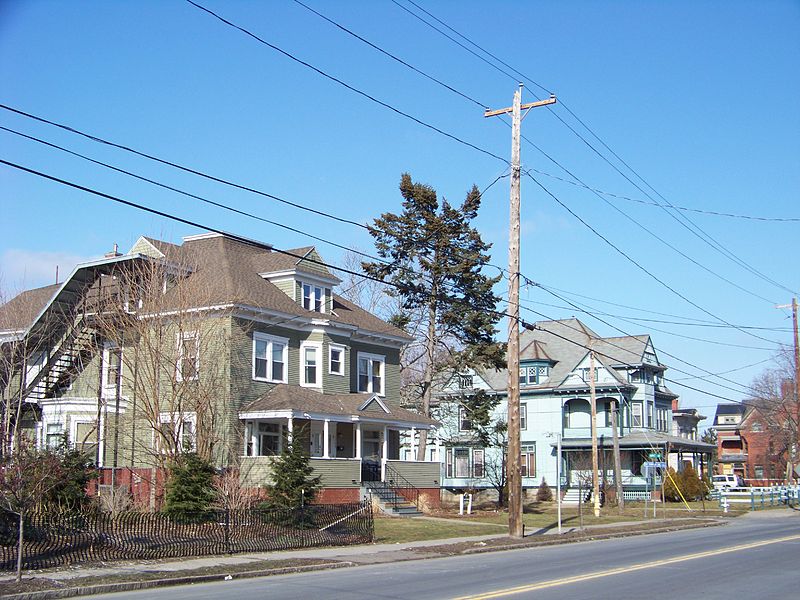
190	489
544	493
435	257
292	483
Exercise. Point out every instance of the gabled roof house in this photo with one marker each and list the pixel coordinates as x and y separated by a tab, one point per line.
217	344
555	401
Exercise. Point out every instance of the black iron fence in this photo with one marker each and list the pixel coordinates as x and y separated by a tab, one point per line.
61	538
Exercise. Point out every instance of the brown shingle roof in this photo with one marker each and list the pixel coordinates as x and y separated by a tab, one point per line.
226	271
294	397
20	311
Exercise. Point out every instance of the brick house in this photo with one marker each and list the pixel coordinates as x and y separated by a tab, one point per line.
749	446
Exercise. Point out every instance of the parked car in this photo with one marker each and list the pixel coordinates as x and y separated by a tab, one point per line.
727	481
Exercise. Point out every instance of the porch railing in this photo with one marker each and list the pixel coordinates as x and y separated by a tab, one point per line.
394	490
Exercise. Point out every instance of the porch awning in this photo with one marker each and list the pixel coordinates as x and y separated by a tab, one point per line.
640	440
300	402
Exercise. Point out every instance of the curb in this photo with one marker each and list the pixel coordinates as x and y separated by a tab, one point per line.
107	588
129	586
588	538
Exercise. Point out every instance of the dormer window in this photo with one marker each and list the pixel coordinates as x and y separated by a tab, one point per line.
313	298
532	373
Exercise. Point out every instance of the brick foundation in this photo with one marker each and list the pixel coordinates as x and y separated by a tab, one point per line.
337	495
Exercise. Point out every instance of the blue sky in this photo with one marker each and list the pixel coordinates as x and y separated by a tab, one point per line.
700	98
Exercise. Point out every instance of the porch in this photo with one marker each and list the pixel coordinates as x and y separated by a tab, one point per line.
351	438
643	456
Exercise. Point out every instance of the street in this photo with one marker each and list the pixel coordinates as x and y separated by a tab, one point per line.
754	556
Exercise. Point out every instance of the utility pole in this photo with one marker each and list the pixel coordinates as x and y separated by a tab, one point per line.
793	306
617	465
593	398
515	525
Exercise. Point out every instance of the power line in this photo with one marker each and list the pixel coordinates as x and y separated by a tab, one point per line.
692	228
481	104
220	204
664	352
347	85
675	206
392	56
639	266
277	250
175	165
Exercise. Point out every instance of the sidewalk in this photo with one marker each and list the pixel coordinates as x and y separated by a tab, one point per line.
119	576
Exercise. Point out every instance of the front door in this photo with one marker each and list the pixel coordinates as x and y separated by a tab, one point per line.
371	455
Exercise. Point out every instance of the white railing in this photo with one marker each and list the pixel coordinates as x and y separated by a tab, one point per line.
758	497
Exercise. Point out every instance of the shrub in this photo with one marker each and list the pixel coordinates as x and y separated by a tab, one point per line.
544	493
190	489
292	483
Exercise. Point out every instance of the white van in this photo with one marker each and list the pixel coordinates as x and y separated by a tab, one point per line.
726	481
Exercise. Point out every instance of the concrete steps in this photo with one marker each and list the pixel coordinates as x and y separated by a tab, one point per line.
390	502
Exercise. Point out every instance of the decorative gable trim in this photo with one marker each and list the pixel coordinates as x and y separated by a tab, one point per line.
374	398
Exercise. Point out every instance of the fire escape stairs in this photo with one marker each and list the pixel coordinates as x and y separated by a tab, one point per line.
69	355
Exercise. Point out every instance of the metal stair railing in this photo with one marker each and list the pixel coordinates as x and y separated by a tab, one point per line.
394	490
401	486
77	340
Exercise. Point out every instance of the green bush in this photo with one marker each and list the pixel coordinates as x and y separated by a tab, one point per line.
690	485
190	489
544	493
292	483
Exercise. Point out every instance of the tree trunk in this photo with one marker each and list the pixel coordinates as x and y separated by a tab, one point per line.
430	349
20	546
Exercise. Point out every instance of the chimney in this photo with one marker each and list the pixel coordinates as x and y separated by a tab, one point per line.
114	253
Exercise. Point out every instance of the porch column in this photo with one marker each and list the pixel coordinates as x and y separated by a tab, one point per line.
254	438
413	441
358	440
290	428
384	452
326	446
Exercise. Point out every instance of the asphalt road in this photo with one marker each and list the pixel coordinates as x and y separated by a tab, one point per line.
753	557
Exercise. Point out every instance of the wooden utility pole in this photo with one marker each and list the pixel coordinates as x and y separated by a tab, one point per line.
617	465
515	526
593	401
793	306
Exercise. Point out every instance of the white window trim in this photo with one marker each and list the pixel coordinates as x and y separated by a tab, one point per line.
270	339
523	416
109	387
314	296
318	347
343	350
178	419
382	359
180	338
73	434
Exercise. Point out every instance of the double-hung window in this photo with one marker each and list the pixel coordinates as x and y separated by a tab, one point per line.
112	369
311	373
464	422
528	460
523	416
636	414
269	358
313	298
178	432
188	364
336	359
371	369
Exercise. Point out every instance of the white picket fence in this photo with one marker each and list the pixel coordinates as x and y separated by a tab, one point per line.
758	497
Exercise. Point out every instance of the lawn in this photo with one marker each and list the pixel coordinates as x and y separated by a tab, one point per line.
396	530
537	518
544	516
